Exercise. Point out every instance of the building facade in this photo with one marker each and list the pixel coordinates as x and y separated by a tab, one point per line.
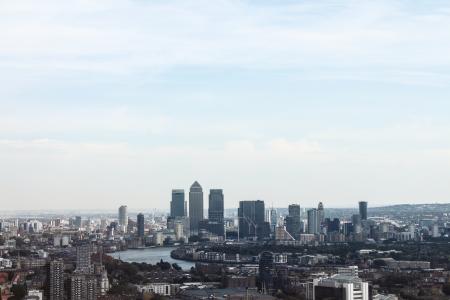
363	210
251	219
320	214
83	286
195	207
56	291
313	221
177	205
140	225
216	212
84	258
123	218
343	286
293	221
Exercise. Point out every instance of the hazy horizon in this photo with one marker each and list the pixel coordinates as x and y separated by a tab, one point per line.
104	103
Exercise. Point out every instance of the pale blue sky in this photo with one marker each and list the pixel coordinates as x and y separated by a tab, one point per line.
105	103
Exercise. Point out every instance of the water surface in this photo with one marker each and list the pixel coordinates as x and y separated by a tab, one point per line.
151	256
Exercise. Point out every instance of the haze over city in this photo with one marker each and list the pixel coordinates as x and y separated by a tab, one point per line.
118	102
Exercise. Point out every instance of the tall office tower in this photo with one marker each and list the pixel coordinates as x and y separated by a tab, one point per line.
123	218
140	225
333	225
215	212
320	214
272	218
294	210
177	206
251	219
347	228
56	279
357	224
363	210
78	222
356	220
266	270
195	207
313	221
83	258
179	231
293	221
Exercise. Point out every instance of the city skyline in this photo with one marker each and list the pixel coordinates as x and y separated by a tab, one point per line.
122	101
231	149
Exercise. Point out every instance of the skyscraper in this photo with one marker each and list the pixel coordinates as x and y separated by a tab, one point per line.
83	281
363	210
293	221
272	218
56	279
140	225
195	207
333	225
266	270
251	219
177	205
78	222
216	211
123	218
84	258
320	214
83	286
356	220
313	221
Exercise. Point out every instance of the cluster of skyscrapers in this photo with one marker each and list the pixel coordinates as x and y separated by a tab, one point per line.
316	221
187	218
190	215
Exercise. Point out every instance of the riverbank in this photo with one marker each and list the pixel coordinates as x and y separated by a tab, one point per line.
151	256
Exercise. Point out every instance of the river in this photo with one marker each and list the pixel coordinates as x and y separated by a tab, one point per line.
151	256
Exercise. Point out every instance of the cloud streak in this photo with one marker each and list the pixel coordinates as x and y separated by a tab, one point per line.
282	100
130	36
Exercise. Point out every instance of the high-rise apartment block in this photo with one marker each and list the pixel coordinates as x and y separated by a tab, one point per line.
56	289
84	258
266	270
83	286
83	281
140	225
123	218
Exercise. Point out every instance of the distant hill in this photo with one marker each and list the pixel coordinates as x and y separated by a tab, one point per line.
398	209
431	207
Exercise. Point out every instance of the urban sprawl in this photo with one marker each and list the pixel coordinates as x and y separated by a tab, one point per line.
254	252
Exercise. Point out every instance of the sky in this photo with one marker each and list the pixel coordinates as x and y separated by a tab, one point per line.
104	103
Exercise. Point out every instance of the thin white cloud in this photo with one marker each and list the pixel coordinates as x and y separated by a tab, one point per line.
128	36
51	51
85	173
83	121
